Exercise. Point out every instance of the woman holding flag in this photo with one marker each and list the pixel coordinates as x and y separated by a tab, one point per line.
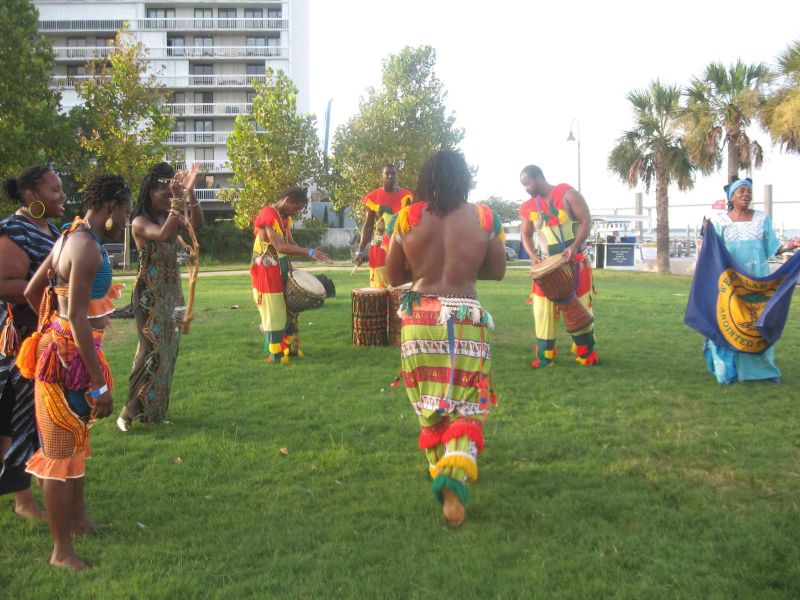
750	240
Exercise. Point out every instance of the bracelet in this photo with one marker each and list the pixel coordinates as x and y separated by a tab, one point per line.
99	391
175	211
360	253
310	252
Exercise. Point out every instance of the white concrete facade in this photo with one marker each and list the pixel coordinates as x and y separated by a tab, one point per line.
207	53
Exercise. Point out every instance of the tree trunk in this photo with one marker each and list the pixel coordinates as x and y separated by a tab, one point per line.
662	219
733	156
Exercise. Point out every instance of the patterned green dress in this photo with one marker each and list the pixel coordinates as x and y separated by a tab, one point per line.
157	293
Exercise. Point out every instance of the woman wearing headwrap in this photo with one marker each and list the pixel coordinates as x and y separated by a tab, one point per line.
749	237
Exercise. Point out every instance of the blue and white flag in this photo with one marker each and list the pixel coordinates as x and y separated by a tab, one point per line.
731	307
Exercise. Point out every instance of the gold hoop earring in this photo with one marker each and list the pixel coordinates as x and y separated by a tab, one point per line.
30	209
109	223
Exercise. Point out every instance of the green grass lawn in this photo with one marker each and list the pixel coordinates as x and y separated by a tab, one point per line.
639	478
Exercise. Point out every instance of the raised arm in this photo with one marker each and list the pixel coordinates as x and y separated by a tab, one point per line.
195	212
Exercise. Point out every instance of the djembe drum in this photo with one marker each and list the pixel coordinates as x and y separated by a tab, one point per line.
395	321
369	316
556	278
303	291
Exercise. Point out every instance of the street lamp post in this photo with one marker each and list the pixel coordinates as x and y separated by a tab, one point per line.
576	137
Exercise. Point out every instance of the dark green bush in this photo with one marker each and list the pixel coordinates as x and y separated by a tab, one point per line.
223	242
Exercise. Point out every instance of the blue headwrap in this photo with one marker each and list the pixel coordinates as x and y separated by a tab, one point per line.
737	184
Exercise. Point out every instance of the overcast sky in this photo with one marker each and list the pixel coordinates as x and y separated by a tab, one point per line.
517	73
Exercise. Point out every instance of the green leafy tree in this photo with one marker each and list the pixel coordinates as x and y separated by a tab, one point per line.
781	114
654	150
719	108
271	148
507	209
31	129
120	123
403	122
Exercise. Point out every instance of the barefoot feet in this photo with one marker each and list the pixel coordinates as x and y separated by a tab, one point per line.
453	510
68	560
29	511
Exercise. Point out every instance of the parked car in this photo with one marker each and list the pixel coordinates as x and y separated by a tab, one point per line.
116	255
511	254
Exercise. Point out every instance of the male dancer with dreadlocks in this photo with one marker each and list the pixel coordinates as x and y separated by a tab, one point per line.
443	245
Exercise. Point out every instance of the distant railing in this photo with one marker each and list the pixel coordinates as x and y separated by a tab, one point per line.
162	52
206	166
198	137
207	195
216	109
179	81
162	24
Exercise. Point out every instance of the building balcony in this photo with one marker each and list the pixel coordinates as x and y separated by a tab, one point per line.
177	25
208	110
190	138
176	82
207	195
68	53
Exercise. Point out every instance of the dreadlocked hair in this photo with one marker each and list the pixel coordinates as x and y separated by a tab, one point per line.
297	194
161	170
444	182
105	189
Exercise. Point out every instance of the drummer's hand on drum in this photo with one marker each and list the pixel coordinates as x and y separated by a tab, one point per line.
570	253
318	255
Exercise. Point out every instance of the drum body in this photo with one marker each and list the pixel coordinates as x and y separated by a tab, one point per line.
556	278
369	316
395	322
303	291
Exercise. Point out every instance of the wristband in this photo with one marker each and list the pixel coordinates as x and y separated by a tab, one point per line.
360	253
99	391
310	252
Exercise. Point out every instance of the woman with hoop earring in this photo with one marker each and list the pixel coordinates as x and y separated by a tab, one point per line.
26	238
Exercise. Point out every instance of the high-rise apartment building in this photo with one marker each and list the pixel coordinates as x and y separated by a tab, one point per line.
206	52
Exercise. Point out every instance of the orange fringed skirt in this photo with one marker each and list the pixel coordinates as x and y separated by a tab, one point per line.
62	414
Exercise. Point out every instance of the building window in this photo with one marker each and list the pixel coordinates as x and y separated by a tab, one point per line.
205	154
255	69
273	13
159	18
204	45
176	45
254	16
77	47
205	102
205	18
103	41
225	15
179	132
202	74
256	45
76	71
203	129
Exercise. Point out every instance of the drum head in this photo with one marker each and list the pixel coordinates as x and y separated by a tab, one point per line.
308	282
548	265
370	291
400	288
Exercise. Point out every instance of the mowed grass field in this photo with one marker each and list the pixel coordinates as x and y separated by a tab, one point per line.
638	478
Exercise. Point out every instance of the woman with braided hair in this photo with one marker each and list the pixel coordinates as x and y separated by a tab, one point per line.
26	238
155	226
73	292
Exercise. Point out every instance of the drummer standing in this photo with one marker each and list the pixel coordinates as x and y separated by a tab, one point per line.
562	215
270	268
381	203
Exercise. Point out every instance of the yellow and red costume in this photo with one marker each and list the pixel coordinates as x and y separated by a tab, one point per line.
550	216
384	204
446	368
268	272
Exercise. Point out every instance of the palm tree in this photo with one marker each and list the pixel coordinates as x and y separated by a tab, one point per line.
781	114
653	149
719	108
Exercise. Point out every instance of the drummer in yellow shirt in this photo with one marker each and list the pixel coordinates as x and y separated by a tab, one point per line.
562	215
